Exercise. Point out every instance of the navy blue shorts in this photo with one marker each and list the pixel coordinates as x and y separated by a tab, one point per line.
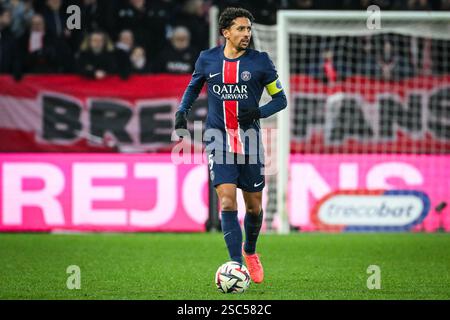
245	171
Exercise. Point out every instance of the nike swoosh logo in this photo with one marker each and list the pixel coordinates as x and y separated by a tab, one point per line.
213	75
257	185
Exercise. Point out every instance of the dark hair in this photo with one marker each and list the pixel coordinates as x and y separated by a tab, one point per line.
229	14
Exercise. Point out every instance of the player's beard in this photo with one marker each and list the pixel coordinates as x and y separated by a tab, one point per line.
243	45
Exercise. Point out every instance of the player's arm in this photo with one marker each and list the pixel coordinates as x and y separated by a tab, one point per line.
278	102
273	87
190	95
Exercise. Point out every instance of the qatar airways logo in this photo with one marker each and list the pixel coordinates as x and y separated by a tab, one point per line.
231	91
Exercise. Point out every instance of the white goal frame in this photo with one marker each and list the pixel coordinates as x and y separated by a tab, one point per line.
283	65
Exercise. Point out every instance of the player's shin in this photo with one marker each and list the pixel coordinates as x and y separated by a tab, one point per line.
252	226
232	234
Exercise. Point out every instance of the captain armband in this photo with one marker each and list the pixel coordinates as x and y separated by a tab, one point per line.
274	87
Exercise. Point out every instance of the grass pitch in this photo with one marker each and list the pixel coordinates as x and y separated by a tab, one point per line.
182	266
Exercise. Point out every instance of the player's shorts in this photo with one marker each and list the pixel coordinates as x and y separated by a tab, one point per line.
245	171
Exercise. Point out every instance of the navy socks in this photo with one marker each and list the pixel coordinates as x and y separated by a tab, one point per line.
252	226
232	234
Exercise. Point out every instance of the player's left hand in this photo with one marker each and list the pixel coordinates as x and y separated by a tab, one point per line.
180	124
246	117
180	120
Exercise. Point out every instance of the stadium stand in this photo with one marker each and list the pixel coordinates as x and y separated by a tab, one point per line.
54	49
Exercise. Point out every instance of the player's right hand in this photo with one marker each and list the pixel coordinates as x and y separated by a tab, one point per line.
180	122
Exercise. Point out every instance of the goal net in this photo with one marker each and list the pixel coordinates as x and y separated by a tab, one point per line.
369	109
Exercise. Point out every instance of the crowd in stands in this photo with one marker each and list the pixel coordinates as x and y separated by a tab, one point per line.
386	56
127	37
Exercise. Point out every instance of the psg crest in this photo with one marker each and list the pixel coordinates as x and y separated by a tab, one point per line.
246	75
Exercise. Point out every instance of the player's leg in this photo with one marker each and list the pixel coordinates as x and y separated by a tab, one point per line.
251	181
253	219
252	225
224	175
231	229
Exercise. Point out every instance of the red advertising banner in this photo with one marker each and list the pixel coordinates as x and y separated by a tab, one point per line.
364	115
73	114
357	115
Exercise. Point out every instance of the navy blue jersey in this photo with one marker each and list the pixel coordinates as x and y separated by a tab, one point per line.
234	85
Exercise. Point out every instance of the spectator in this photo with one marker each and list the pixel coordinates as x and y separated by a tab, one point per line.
329	67
178	56
138	61
8	45
22	12
391	65
193	17
54	16
149	31
387	61
41	51
96	59
365	62
126	41
122	52
329	70
96	15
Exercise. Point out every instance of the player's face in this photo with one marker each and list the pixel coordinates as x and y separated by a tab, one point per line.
239	33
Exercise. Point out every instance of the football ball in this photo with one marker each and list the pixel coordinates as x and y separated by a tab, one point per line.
232	277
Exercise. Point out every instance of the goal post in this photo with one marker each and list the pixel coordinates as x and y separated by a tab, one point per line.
283	125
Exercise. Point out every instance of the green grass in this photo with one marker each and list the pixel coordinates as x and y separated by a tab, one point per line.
182	266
